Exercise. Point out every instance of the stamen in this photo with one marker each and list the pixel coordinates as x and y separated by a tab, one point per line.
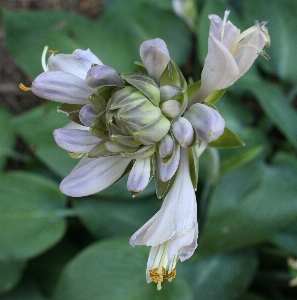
225	20
264	32
24	88
158	272
261	29
53	51
43	59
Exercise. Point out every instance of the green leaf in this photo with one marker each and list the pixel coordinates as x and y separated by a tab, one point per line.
27	289
112	269
275	105
227	140
47	268
224	276
249	205
115	218
10	274
7	135
282	30
31	216
36	128
240	159
115	38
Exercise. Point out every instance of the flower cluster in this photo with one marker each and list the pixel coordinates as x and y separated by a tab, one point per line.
144	123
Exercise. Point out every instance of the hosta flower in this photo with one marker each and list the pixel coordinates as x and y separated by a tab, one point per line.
172	232
230	54
137	123
128	121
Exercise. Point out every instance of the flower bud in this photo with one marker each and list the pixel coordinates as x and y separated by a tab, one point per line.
183	131
170	108
102	75
133	114
166	146
87	114
155	56
208	123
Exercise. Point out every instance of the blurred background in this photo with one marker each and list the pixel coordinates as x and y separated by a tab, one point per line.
56	247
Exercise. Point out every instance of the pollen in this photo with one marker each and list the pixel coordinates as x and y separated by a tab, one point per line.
24	88
159	278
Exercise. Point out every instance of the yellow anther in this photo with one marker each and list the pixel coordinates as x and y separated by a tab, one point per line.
24	88
156	276
171	275
53	51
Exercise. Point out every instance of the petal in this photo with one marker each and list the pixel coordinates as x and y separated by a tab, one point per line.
67	63
230	31
99	76
165	173
61	87
139	176
93	175
155	56
87	114
230	34
166	146
183	131
215	26
248	51
208	123
75	140
87	58
219	72
178	214
181	244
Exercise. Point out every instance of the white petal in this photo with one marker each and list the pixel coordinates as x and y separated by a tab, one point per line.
75	140
93	175
139	176
166	172
219	72
178	214
61	87
67	63
231	33
87	58
248	51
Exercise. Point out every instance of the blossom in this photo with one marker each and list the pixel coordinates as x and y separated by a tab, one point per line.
172	232
230	54
122	119
137	123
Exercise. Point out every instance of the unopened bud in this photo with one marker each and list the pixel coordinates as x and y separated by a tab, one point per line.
102	75
155	56
170	108
208	123
166	146
183	131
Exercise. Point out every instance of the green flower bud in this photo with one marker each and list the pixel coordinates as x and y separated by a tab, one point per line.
133	120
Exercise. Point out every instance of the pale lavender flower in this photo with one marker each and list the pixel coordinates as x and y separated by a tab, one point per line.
230	54
137	123
172	232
